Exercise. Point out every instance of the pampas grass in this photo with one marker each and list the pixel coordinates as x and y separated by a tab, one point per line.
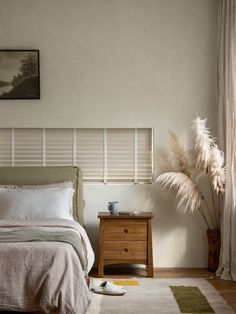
217	170
203	144
182	176
164	165
180	154
186	190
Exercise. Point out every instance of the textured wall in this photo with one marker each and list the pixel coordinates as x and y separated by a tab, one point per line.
119	63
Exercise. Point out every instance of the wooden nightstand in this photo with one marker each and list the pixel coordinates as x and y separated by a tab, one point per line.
125	239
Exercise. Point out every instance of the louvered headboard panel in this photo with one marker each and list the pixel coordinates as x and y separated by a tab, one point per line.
105	155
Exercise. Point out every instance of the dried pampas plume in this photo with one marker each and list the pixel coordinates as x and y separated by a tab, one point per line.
217	169
163	165
180	154
203	144
189	195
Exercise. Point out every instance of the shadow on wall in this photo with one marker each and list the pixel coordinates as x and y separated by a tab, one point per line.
178	240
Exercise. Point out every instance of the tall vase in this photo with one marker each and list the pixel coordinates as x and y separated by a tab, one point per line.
213	236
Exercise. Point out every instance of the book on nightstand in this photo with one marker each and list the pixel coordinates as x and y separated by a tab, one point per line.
130	212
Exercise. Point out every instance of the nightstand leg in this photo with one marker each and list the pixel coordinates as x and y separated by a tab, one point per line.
101	244
100	270
150	255
150	271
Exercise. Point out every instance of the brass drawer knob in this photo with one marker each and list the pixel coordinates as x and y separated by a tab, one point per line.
126	250
126	231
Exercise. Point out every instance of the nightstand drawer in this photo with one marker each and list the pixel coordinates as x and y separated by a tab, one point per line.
125	230
123	250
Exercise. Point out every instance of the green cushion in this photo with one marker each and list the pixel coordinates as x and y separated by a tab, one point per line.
44	175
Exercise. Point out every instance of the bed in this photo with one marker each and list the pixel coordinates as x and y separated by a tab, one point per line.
45	253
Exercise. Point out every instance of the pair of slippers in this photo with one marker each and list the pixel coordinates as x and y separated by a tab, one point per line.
109	288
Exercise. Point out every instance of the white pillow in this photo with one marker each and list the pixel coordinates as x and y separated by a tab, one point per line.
57	185
36	203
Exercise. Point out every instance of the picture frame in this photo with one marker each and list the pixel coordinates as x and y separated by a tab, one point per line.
19	74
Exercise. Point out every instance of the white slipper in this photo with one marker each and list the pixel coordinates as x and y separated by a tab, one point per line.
103	285
108	288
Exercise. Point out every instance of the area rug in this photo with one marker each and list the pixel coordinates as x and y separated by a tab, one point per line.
160	296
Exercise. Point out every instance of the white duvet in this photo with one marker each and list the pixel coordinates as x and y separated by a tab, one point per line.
44	276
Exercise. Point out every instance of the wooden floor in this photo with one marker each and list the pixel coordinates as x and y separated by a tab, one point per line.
226	288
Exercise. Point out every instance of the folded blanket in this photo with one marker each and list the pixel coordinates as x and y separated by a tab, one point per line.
50	230
39	235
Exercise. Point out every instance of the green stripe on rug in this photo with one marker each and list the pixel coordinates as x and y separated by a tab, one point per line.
191	300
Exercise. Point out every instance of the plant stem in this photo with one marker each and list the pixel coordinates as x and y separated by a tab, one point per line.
208	209
203	216
209	212
213	202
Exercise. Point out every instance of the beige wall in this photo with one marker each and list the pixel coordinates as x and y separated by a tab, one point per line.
121	63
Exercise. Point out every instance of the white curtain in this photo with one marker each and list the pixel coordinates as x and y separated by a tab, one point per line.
227	132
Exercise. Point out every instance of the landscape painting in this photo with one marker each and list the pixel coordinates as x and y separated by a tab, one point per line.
19	74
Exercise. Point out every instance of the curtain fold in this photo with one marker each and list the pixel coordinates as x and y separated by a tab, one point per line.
227	132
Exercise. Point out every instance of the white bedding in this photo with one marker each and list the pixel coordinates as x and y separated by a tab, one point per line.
44	276
36	203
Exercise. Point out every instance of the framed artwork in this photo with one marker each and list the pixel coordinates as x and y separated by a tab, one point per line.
19	74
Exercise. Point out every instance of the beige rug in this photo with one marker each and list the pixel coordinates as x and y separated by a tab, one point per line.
153	296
